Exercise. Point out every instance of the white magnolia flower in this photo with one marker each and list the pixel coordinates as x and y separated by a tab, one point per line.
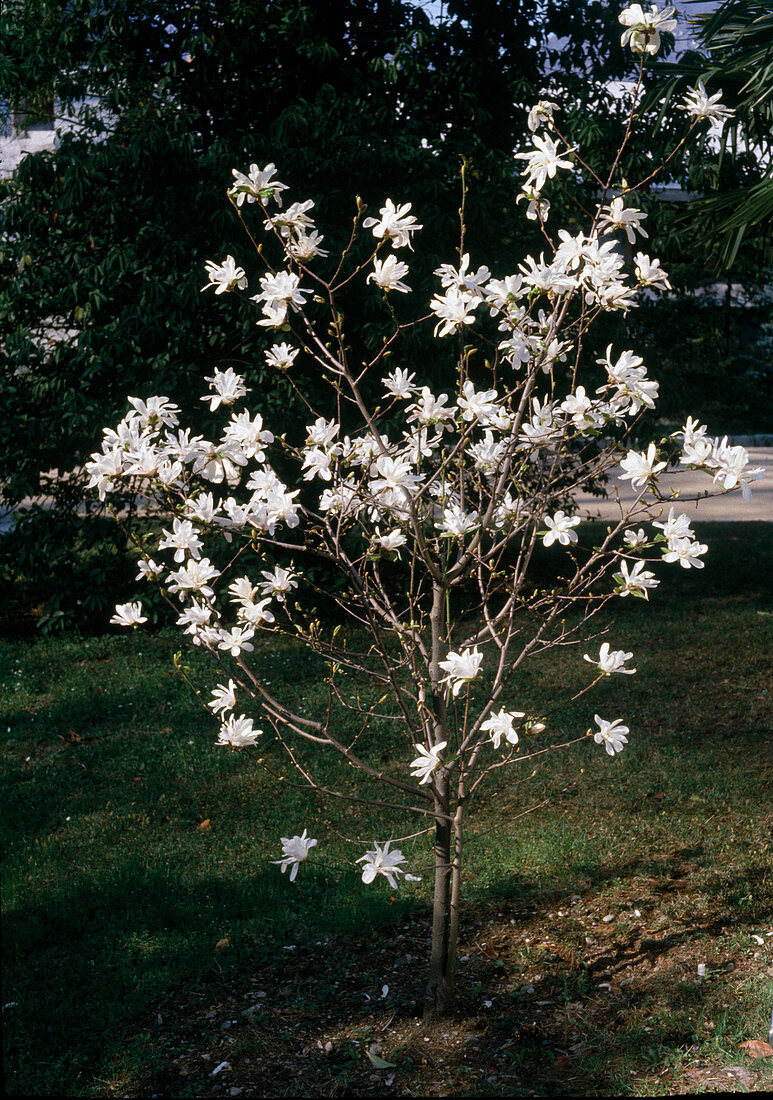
560	529
697	445
154	411
295	849
649	272
613	295
456	523
629	376
699	105
580	408
477	404
194	577
541	114
537	208
203	508
195	618
227	386
455	308
223	697
545	424
488	453
236	639
632	538
686	552
225	276
572	251
675	527
399	383
128	614
317	463
380	861
616	216
281	356
183	539
238	732
396	224
248	434
427	762
242	589
502	724
258	186
253	614
507	511
543	161
278	583
643	33
550	279
428	409
278	293
461	668
306	246
503	295
343	499
391	542
322	433
640	467
612	735
294	220
462	278
388	274
147	569
609	661
730	464
102	468
636	581
393	475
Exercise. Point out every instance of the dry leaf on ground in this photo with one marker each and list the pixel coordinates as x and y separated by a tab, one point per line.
756	1048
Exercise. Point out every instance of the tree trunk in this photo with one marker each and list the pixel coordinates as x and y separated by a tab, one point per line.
439	993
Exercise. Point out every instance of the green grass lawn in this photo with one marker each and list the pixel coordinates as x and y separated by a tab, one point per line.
116	893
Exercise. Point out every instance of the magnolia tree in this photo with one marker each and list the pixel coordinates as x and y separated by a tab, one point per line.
423	502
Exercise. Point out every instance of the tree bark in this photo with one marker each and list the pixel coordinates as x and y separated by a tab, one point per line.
437	993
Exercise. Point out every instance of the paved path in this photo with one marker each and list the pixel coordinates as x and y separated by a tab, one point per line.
689	482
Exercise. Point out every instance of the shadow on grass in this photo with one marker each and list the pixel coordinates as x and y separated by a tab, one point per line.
80	972
134	978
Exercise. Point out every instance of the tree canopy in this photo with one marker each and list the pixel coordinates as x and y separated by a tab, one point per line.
105	237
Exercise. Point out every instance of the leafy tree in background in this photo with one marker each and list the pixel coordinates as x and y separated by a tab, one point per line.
107	235
718	246
736	53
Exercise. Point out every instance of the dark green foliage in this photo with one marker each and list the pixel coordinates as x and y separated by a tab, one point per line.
736	55
106	238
